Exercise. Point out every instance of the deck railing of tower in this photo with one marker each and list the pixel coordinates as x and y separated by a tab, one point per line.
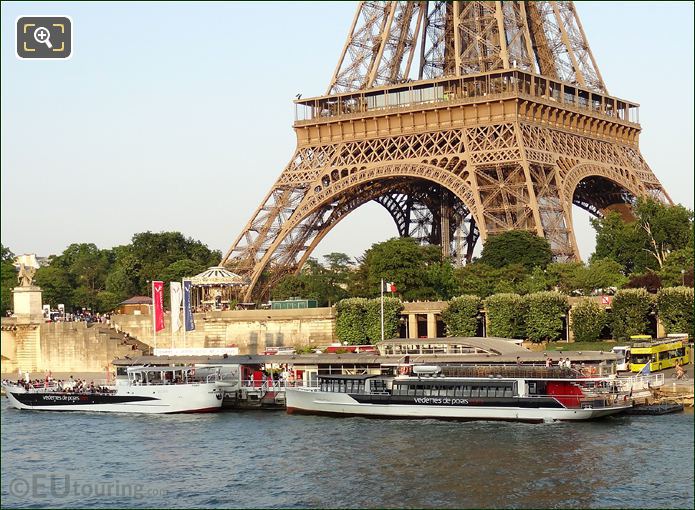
472	88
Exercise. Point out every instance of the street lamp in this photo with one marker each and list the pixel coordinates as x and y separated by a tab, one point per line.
683	277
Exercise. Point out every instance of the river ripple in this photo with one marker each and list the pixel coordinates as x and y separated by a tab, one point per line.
270	459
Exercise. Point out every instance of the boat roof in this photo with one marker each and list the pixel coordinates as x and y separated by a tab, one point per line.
370	358
146	368
493	345
360	377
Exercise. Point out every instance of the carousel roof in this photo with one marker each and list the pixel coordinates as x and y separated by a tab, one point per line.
218	276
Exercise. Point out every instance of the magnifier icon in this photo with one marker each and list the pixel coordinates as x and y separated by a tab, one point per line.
43	36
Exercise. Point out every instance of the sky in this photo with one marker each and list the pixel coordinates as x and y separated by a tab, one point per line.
178	116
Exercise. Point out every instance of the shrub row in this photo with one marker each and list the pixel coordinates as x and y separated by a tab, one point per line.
537	316
358	320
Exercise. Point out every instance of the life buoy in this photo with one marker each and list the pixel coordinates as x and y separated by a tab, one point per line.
192	372
404	370
592	371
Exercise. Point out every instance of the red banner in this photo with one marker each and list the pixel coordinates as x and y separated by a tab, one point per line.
158	301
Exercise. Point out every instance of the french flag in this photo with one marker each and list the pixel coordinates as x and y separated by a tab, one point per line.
389	287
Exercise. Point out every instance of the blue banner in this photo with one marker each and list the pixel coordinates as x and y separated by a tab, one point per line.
187	311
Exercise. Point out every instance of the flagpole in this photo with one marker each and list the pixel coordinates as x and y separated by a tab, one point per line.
382	309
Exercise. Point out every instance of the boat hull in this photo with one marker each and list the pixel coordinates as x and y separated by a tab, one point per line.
304	401
190	398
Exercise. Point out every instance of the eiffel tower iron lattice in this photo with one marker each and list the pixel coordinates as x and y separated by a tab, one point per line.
463	120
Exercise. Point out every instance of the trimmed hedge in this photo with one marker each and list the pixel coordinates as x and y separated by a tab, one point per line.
588	319
675	308
630	313
350	320
461	316
506	315
392	312
544	315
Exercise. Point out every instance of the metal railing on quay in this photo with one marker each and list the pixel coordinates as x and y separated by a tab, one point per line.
276	386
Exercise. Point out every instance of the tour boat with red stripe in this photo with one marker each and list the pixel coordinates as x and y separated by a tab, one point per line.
426	392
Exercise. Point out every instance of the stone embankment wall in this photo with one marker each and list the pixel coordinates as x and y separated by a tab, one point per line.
250	330
60	347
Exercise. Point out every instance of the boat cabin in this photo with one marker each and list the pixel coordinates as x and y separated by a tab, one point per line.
147	376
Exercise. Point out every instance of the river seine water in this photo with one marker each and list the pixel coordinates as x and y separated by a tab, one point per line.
270	459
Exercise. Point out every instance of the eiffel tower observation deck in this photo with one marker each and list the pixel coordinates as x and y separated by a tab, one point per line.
463	120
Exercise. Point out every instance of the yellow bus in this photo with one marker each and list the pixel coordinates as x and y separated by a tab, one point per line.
659	354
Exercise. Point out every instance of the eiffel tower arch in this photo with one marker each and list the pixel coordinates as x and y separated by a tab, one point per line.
463	120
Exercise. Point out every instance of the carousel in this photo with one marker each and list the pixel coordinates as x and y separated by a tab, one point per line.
216	288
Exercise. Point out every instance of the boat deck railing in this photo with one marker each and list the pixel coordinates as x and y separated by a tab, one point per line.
275	386
521	371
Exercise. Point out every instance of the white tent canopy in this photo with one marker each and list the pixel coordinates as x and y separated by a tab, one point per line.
216	288
217	276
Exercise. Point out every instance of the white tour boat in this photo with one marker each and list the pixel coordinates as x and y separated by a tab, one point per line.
150	390
426	393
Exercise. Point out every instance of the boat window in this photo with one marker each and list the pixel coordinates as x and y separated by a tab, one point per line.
378	385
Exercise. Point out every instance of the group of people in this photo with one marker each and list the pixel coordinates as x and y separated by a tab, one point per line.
562	363
82	316
71	385
128	341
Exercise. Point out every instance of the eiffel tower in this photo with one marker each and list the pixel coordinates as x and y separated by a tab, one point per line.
463	120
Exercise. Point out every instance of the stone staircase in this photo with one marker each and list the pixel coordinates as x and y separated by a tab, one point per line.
122	349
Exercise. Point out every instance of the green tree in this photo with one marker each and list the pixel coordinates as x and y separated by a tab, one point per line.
291	285
599	274
8	278
406	263
622	242
442	280
588	319
646	241
56	285
153	252
477	278
324	284
564	276
516	247
337	269
666	227
677	265
537	281
513	278
107	301
180	269
124	277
